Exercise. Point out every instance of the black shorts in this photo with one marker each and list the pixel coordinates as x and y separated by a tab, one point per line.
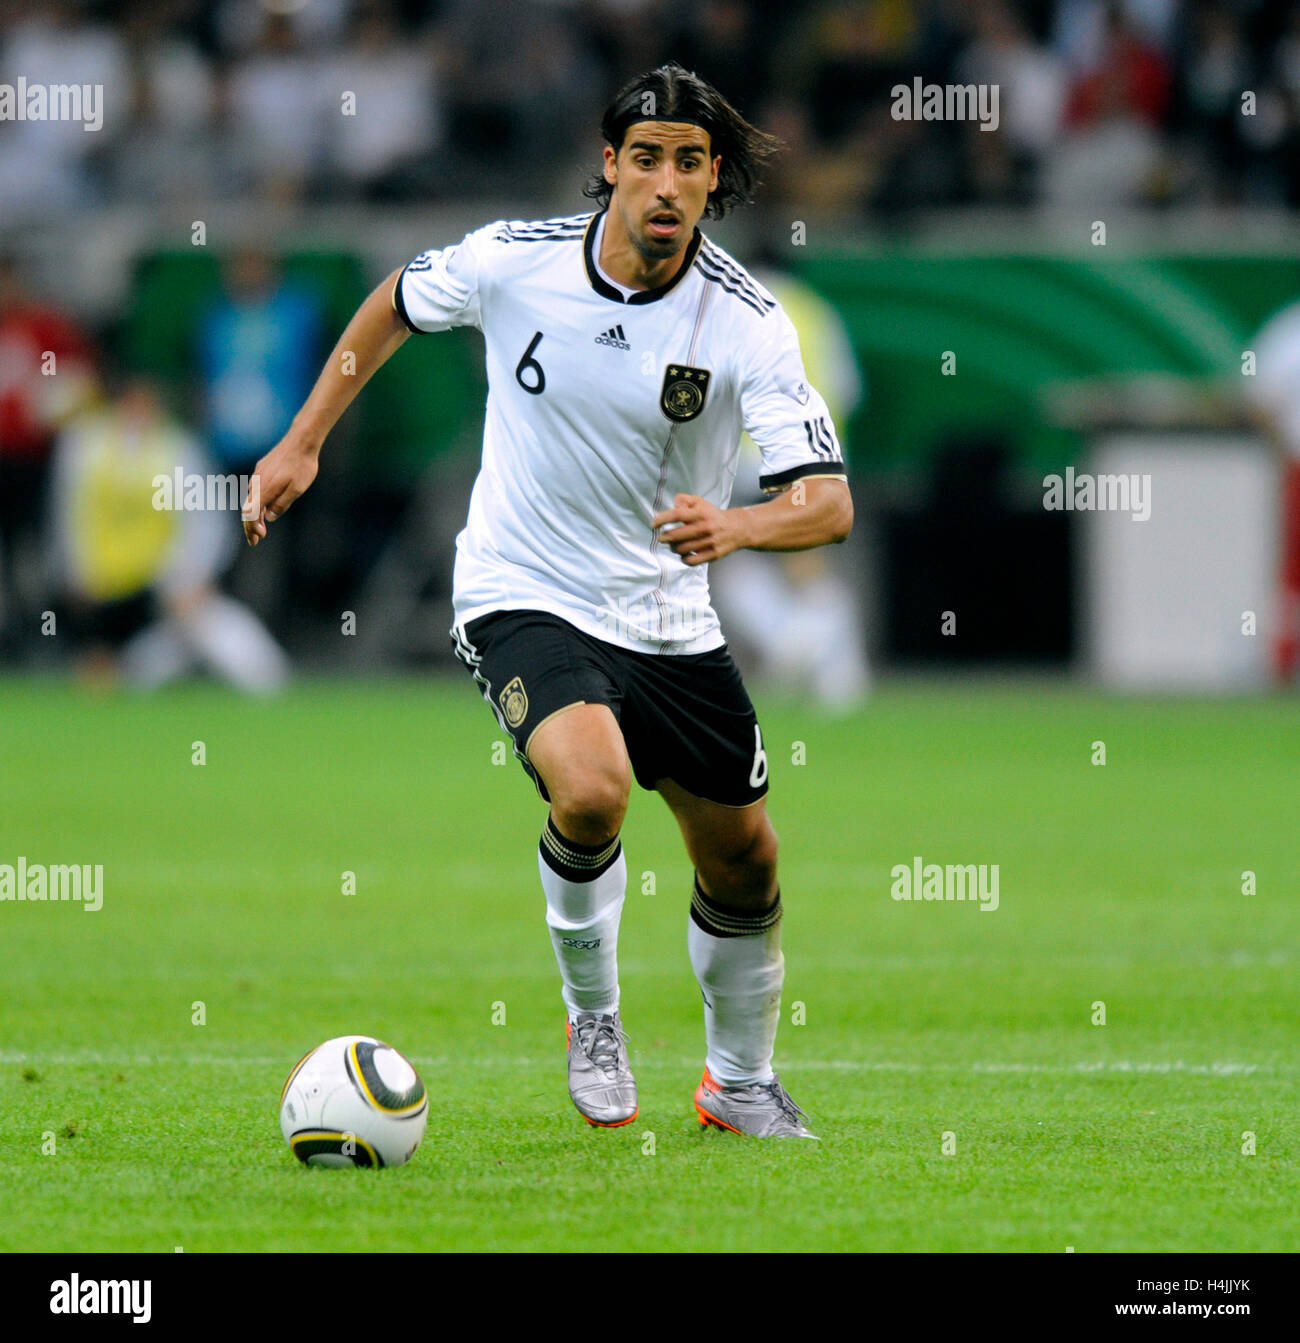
685	716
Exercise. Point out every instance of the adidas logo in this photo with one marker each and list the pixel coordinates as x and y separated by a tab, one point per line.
615	337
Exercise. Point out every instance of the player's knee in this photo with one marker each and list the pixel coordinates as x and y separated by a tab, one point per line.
767	852
744	873
590	804
758	864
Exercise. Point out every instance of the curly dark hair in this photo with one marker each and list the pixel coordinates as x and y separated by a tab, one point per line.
672	93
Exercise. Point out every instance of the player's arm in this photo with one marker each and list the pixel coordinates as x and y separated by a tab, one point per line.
816	511
802	466
370	338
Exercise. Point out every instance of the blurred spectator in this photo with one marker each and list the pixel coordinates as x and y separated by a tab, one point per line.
165	157
1112	153
260	348
281	110
1272	136
140	578
1032	85
241	24
727	43
520	91
1287	54
1274	397
628	36
45	165
168	151
859	51
808	178
1128	80
397	121
1083	28
45	372
1218	69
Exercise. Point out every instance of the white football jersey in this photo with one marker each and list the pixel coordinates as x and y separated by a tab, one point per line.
603	407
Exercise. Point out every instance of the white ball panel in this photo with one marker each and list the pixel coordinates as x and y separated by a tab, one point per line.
394	1070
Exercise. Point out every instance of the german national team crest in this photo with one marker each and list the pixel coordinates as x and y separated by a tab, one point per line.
514	702
684	390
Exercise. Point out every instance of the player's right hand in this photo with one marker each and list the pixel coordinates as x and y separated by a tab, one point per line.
278	479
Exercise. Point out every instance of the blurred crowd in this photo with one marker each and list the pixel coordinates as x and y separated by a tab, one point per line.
1102	101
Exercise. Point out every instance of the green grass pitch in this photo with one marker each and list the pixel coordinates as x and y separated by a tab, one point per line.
1119	884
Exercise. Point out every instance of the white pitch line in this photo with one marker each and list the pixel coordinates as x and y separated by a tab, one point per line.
1082	1068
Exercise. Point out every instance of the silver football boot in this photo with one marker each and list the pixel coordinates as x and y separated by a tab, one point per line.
601	1084
758	1109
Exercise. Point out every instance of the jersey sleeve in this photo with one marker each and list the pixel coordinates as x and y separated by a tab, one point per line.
441	289
786	417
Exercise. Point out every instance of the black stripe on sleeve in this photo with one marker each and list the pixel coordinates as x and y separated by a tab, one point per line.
733	287
789	476
399	305
825	438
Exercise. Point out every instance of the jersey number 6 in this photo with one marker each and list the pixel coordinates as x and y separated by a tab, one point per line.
538	387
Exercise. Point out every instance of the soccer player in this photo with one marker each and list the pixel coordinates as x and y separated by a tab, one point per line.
625	354
1273	399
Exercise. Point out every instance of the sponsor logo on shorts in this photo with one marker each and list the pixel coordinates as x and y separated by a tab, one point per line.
514	702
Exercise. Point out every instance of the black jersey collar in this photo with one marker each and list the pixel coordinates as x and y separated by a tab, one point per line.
607	290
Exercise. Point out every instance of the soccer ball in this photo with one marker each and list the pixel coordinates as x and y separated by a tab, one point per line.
353	1101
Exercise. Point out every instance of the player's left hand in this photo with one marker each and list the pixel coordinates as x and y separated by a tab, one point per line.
704	532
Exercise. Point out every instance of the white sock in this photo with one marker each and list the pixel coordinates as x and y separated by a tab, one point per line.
737	959
585	887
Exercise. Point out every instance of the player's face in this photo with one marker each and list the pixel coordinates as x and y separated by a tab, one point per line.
663	174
